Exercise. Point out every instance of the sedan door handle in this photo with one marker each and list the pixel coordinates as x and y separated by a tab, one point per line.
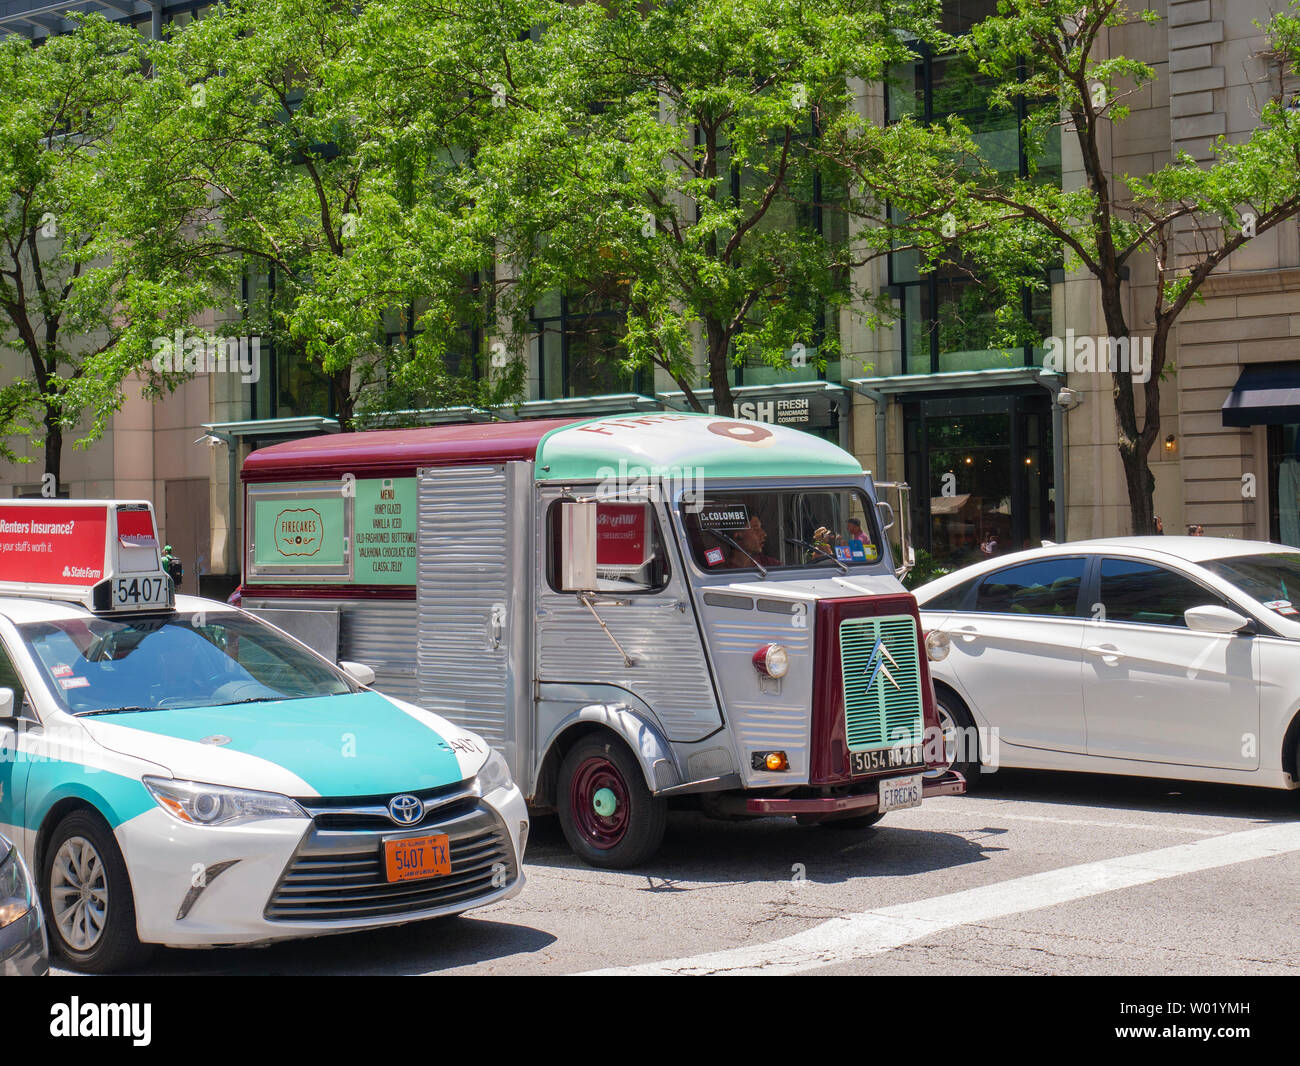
967	633
1109	654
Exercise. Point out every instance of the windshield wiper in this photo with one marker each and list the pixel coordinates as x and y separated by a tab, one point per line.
819	550
117	710
731	540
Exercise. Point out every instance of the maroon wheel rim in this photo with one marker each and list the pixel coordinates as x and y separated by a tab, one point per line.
594	776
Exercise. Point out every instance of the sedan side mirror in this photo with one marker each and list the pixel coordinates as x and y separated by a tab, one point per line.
359	672
1212	618
7	704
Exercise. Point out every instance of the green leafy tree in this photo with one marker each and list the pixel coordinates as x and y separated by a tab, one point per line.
258	121
704	170
75	318
1182	221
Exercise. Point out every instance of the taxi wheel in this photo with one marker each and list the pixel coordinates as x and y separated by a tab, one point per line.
609	817
89	906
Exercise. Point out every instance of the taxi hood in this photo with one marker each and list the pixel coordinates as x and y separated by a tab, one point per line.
355	744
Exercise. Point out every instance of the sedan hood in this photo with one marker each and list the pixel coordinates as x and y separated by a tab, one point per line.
356	744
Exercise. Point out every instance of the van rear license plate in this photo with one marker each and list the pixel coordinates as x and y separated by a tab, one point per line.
899	792
417	857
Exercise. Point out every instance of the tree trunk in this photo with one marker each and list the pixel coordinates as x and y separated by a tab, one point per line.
1134	444
53	447
344	401
719	369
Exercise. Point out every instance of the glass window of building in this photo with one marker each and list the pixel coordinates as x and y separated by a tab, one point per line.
948	316
576	346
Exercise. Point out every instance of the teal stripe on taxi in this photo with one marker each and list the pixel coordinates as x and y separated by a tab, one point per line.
117	797
350	745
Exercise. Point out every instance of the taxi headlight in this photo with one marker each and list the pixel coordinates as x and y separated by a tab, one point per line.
199	804
15	889
494	774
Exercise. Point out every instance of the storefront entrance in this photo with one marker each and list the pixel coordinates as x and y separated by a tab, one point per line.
981	470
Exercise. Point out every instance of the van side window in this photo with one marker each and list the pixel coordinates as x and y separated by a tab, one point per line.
631	556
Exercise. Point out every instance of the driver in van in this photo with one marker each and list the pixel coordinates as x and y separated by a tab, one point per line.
751	540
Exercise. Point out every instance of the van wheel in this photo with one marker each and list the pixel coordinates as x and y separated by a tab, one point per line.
609	817
88	899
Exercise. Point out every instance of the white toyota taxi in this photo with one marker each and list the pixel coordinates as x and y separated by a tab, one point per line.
176	771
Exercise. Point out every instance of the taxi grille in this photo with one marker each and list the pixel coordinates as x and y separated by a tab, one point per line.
340	876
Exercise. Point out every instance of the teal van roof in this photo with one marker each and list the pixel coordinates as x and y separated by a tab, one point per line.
705	445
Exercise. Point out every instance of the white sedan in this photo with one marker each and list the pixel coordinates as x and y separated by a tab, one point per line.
1174	657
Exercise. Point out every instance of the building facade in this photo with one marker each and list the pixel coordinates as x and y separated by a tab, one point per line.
1000	453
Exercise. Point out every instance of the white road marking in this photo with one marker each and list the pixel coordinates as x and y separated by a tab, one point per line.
859	936
972	812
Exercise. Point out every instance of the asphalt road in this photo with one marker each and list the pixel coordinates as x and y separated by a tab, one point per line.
1034	873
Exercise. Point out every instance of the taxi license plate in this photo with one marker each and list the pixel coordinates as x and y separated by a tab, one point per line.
900	792
417	857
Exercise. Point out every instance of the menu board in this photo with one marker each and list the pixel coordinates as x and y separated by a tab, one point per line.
384	532
361	532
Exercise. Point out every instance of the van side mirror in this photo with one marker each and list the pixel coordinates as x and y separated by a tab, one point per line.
578	546
1212	618
7	709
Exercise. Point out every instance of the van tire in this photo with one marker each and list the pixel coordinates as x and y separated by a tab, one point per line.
608	816
116	947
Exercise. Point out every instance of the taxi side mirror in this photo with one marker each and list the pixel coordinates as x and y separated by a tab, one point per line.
578	546
7	709
359	672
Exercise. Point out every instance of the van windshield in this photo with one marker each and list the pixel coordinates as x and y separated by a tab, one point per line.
106	665
777	529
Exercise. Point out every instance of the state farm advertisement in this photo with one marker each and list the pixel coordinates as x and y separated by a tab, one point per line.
52	545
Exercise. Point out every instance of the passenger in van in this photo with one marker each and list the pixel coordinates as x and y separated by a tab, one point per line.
752	541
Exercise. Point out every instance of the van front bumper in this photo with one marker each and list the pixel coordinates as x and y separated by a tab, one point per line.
950	784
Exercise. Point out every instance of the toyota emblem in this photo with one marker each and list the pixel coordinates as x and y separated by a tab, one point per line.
406	809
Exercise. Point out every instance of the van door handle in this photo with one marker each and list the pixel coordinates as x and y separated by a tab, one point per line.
968	633
1108	653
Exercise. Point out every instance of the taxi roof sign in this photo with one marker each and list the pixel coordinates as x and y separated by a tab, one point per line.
102	554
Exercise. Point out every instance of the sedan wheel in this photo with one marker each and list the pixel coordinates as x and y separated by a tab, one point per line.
79	893
87	895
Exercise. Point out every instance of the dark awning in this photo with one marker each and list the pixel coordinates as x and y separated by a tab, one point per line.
1266	394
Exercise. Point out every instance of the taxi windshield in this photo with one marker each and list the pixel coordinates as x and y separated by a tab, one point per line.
772	529
110	665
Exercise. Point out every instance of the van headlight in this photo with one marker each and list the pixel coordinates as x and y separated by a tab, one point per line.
494	774
15	889
199	804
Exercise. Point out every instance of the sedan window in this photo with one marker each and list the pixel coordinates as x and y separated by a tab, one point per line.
1043	587
1134	591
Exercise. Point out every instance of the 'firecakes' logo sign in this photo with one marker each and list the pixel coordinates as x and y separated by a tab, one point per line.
876	665
299	531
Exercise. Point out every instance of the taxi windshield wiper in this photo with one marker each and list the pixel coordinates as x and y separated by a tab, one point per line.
116	710
819	550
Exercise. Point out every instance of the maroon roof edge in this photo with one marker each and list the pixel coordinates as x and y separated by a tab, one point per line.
399	452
